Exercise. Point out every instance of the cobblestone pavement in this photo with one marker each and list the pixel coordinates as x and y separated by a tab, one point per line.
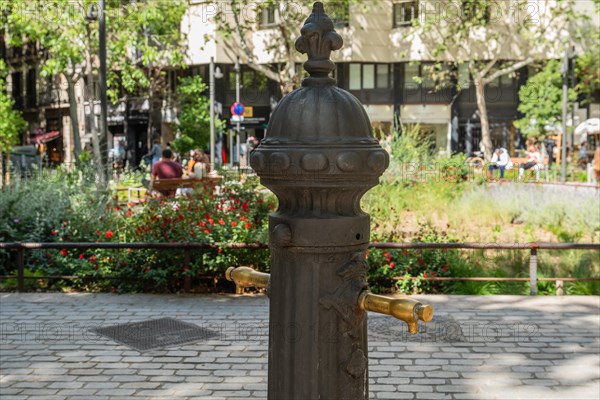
494	347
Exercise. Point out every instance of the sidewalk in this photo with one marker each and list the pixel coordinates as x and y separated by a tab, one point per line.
493	347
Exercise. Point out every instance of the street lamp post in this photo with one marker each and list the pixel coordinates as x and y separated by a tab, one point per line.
565	71
214	73
237	100
211	90
103	83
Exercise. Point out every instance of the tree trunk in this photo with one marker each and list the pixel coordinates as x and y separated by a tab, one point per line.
3	171
486	138
100	175
74	118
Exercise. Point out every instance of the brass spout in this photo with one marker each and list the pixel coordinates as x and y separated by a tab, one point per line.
405	309
244	277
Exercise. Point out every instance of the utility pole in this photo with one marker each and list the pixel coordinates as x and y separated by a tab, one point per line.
211	90
565	71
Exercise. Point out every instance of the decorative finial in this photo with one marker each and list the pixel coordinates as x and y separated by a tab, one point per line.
318	39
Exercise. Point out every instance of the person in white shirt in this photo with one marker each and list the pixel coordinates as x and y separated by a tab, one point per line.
500	160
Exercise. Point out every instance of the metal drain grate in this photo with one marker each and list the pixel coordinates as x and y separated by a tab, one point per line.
154	334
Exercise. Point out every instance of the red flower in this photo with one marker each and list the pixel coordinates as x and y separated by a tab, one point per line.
247	225
219	251
367	254
81	256
108	234
245	207
93	258
420	261
444	268
117	209
233	223
185	268
211	221
260	201
206	230
180	216
63	252
392	265
53	232
221	222
128	213
123	263
424	274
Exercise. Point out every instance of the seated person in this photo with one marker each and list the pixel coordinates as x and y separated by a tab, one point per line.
533	161
198	169
501	161
166	168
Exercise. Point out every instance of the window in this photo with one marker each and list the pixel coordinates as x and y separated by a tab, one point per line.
369	76
411	71
31	88
17	89
405	12
355	77
268	17
476	10
383	76
425	76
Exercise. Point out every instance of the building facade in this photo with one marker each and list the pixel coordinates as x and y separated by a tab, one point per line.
381	64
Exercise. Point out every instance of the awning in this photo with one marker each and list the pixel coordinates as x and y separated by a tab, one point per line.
45	137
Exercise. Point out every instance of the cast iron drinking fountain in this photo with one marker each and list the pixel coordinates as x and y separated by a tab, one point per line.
319	157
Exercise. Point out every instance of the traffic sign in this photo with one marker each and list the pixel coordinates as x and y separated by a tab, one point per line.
237	118
237	109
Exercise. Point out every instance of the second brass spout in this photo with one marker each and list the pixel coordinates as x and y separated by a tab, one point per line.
405	309
244	277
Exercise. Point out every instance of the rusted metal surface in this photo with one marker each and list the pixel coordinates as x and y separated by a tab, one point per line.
488	246
319	157
136	245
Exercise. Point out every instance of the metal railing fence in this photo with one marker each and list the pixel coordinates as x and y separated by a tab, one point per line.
21	247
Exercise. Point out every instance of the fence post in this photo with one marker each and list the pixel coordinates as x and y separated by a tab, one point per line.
20	270
533	272
187	280
559	288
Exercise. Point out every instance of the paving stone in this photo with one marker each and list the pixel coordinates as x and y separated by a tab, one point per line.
558	362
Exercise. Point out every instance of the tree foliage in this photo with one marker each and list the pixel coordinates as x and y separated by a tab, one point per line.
194	115
495	39
541	100
143	39
11	120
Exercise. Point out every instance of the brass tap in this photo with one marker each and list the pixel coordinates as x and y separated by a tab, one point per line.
244	277
405	309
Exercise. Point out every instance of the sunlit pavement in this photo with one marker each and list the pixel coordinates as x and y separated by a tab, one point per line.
493	347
